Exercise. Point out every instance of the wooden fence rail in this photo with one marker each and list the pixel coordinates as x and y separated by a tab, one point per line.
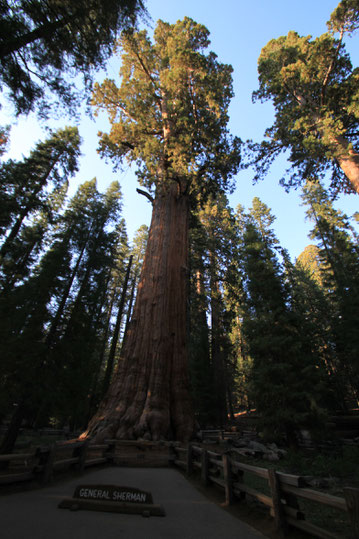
283	490
43	462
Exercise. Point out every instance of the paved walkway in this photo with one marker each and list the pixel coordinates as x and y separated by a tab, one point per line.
189	515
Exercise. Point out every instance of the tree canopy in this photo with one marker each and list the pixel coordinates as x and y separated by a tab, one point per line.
44	45
315	91
170	112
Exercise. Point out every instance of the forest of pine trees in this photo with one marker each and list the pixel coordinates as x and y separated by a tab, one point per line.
259	331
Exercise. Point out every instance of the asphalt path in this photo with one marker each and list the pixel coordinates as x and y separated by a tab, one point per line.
189	515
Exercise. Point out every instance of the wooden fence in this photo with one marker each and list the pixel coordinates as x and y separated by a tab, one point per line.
43	462
282	494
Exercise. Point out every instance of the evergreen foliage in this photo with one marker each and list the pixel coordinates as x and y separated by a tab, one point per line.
213	240
54	321
44	45
170	112
309	262
31	194
339	256
285	385
314	89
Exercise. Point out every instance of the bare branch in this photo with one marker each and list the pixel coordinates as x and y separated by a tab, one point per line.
145	194
146	71
126	113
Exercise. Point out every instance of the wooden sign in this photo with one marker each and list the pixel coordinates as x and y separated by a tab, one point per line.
112	493
114	499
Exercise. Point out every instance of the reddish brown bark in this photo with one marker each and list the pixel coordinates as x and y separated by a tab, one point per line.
348	160
149	397
346	156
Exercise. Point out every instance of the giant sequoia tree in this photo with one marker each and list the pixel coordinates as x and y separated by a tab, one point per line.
315	93
168	116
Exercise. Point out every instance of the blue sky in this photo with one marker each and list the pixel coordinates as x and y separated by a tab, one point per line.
239	29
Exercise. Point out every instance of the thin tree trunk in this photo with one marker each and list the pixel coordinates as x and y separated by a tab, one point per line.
25	211
13	232
216	352
198	332
96	377
106	331
60	309
18	271
129	309
89	268
230	403
12	433
149	397
116	331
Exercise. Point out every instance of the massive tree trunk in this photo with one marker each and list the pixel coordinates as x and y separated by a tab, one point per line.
149	396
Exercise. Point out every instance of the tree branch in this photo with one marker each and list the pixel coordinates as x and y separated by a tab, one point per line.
145	194
126	113
146	71
17	43
331	66
128	145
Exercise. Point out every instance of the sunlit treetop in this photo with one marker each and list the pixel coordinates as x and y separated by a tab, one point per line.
345	17
315	93
169	114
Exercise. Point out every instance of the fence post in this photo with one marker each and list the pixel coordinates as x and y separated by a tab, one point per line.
228	479
110	451
205	468
189	464
240	480
171	453
48	459
352	501
279	515
81	453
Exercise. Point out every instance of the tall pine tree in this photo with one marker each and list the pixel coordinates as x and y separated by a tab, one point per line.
285	385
